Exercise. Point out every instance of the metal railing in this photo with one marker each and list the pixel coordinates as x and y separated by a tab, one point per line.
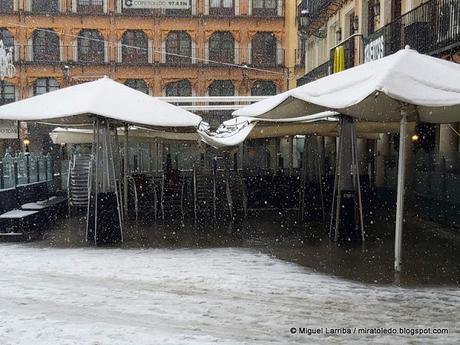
24	168
430	28
316	73
52	55
97	8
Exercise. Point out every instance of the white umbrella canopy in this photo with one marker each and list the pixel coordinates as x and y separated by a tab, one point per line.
85	135
375	91
104	97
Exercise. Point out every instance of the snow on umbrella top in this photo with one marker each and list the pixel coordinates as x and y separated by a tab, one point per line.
104	97
375	91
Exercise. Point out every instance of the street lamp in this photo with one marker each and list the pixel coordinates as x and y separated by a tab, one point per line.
66	73
26	143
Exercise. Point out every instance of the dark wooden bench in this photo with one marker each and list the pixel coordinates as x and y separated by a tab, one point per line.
21	215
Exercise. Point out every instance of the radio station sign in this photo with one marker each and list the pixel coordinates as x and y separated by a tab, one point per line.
374	48
153	4
8	129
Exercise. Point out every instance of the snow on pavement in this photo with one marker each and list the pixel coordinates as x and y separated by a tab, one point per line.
207	296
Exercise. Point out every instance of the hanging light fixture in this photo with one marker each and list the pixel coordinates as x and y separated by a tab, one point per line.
338	35
355	23
376	8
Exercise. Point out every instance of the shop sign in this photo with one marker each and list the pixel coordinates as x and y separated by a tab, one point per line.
153	4
374	48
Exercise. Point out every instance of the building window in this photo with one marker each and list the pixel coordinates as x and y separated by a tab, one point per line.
264	7
216	89
7	38
45	6
7	92
90	6
221	7
264	49
181	88
178	48
44	85
45	46
90	46
6	6
135	47
263	88
222	47
138	84
221	88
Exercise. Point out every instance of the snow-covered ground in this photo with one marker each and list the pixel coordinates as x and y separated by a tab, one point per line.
209	296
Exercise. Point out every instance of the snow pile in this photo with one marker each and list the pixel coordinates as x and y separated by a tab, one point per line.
224	296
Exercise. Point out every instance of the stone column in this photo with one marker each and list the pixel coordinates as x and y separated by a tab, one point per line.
383	150
448	146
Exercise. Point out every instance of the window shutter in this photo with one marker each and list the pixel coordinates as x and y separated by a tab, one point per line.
206	52
193	4
163	52
119	54
237	52
150	51
280	8
206	7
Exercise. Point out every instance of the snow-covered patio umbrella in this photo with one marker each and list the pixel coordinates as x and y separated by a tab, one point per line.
80	104
405	85
104	104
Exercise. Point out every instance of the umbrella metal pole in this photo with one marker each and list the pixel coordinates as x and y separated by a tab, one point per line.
400	191
97	181
125	172
118	172
117	191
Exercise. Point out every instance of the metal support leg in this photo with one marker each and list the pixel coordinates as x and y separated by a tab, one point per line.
400	191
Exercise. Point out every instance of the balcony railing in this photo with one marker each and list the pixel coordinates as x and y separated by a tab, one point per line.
131	56
316	73
314	13
430	28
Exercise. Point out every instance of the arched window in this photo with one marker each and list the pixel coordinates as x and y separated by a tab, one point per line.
138	84
263	88
90	46
7	92
181	88
222	47
135	47
45	6
264	49
90	6
221	7
6	6
44	85
264	7
178	48
220	88
45	46
7	38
